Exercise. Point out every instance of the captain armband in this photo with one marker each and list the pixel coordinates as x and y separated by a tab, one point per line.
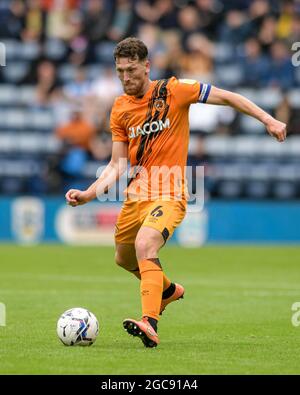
204	93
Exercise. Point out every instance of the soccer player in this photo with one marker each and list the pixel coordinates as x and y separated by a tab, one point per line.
149	125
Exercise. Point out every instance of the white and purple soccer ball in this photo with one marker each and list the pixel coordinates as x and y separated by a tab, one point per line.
77	327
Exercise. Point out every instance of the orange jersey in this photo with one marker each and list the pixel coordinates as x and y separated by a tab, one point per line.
156	128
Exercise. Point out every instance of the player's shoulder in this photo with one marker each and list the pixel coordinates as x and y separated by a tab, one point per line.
174	81
119	105
120	101
177	84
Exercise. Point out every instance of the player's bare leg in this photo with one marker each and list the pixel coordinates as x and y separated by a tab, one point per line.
125	257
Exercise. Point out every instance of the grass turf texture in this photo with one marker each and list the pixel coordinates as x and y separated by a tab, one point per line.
235	318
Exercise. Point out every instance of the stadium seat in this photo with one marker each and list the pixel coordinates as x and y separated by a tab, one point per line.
288	172
16	50
218	146
243	146
91	167
223	53
261	172
229	76
40	120
285	190
249	93
19	167
250	125
93	71
26	94
269	147
268	98
66	72
13	119
230	189
297	75
15	72
257	189
294	97
8	94
6	143
11	185
293	146
55	49
104	52
11	49
28	51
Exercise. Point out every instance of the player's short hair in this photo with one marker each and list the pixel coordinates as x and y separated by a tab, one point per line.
131	47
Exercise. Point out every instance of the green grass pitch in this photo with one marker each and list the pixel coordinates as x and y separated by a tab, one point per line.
235	317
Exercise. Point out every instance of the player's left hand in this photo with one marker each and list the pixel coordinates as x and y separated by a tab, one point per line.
75	197
276	129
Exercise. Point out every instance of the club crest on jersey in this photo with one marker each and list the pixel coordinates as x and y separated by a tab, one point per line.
149	127
159	104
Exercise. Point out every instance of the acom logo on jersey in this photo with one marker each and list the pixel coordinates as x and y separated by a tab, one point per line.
149	127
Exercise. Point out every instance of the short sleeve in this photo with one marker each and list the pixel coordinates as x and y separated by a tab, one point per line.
117	130
186	91
189	91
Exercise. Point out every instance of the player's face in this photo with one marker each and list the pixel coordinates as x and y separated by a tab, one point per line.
133	74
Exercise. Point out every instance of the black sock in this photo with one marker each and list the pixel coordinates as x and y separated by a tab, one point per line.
153	323
169	291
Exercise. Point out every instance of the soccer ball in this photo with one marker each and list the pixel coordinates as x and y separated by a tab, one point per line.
77	327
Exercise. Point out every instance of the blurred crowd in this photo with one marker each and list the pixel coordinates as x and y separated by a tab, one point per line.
63	51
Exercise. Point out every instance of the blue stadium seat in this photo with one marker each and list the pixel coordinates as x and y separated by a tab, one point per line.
232	189
29	51
55	49
285	190
8	94
223	53
294	97
15	72
104	52
229	76
250	125
12	119
66	72
11	185
40	120
93	71
297	75
268	98
258	189
30	143
26	94
11	49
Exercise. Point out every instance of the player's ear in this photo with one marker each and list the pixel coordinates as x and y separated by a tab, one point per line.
147	66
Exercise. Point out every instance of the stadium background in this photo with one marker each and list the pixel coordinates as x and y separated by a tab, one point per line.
58	86
56	92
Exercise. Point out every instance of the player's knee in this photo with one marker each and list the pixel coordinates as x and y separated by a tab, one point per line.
119	259
145	249
122	261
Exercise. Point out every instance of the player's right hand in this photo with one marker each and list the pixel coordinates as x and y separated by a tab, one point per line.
75	197
276	129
